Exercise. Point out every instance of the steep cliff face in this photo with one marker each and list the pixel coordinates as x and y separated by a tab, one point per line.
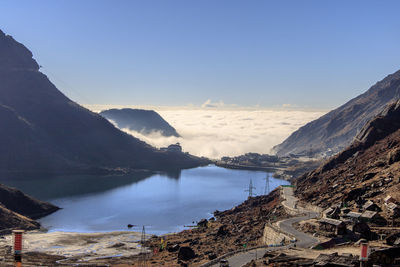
42	130
139	120
368	168
336	130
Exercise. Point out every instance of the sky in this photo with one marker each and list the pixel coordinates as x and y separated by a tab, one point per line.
225	53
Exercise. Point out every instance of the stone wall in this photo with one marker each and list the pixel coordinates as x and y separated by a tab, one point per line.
273	236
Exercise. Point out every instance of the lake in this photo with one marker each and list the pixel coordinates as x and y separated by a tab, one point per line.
162	202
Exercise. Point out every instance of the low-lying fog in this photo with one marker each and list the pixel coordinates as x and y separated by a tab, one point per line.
215	133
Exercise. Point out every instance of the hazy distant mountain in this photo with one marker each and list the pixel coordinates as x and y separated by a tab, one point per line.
336	130
139	120
42	130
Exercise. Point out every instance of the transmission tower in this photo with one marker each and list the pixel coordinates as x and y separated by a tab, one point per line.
266	189
250	190
143	251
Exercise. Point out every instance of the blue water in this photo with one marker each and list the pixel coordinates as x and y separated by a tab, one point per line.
163	203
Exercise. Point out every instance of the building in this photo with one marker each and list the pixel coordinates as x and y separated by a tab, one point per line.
371	206
390	199
393	209
333	213
172	148
373	217
331	225
353	216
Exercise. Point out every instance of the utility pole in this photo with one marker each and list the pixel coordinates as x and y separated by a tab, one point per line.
266	189
143	252
250	190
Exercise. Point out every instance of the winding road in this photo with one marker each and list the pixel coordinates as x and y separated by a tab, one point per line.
303	240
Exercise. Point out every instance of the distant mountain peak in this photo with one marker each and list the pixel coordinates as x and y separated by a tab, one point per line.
140	120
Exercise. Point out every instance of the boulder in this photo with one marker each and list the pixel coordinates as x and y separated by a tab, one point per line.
222	231
202	223
186	253
173	248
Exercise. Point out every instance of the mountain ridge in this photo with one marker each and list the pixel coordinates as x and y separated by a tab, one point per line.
59	135
335	130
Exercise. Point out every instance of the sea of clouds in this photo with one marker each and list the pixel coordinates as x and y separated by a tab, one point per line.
215	132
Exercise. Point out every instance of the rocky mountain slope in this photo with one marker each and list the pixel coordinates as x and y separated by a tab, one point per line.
139	120
41	130
334	131
18	210
367	170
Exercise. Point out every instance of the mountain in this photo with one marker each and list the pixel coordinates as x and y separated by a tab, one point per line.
41	130
139	120
334	131
367	169
18	210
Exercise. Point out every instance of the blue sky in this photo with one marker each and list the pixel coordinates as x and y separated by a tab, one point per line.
315	54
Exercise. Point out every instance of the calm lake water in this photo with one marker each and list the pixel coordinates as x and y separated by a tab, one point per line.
163	203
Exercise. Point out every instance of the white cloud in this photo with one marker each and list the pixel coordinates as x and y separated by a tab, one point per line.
210	104
217	132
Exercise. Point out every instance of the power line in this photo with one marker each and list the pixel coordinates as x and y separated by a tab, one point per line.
143	251
250	190
266	189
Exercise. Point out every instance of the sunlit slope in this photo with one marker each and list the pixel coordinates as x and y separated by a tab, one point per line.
336	130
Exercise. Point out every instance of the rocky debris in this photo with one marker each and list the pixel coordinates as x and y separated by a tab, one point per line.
346	179
334	131
232	229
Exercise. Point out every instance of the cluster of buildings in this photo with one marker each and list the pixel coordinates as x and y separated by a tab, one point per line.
339	220
259	160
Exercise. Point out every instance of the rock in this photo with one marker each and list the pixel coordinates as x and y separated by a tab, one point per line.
394	156
212	256
173	248
368	176
194	242
202	223
117	245
222	231
186	253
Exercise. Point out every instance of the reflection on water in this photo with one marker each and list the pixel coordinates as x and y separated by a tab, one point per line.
163	202
48	188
